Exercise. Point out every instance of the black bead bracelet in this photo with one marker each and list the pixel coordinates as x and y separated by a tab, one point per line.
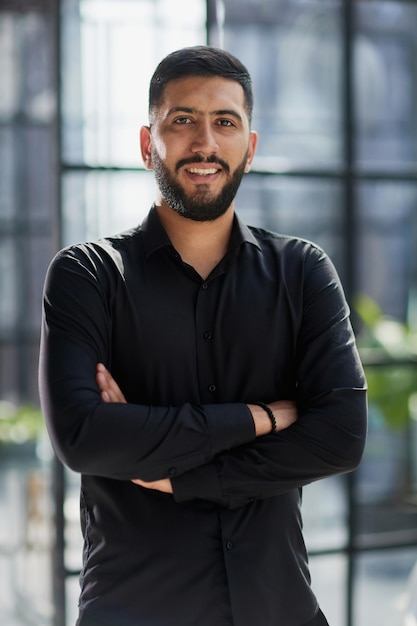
270	413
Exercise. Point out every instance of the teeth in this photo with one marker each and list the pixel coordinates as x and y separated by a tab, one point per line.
201	172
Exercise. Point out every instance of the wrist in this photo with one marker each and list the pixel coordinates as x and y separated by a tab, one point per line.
269	413
261	419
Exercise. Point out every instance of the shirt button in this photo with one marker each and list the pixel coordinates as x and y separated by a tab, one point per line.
171	472
212	388
207	335
204	286
229	545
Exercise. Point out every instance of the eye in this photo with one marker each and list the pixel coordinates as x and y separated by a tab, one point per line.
182	120
225	123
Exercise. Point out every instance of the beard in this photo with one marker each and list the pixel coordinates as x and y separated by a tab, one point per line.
202	206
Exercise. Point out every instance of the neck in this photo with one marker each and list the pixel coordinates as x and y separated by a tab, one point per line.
200	244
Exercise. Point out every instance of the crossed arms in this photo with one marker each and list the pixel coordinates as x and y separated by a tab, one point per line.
285	412
219	452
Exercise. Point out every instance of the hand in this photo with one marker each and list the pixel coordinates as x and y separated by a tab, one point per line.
285	412
109	389
164	485
111	392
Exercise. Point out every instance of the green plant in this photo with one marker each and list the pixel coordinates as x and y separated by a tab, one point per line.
19	424
389	352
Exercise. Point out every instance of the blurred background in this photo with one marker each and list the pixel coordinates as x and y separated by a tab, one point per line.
336	109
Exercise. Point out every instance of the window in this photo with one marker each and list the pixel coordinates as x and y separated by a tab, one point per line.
335	106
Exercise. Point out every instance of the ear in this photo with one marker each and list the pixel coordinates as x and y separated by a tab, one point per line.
145	146
253	142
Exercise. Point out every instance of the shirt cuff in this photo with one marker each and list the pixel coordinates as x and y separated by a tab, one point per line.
201	483
230	425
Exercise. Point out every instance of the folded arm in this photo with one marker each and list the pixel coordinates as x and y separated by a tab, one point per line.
113	439
329	435
285	413
208	451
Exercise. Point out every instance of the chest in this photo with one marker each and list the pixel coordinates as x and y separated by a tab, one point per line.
225	339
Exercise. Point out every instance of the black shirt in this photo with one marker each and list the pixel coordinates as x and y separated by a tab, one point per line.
269	323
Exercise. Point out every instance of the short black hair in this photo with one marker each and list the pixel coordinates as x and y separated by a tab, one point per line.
199	61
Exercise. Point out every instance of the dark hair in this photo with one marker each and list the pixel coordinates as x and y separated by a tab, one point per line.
199	61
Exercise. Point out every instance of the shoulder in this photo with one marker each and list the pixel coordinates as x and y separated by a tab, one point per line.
98	256
298	262
287	246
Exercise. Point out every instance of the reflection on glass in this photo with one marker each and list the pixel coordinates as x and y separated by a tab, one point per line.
386	480
9	286
387	245
328	576
306	208
325	514
100	204
110	49
380	586
39	249
27	183
385	83
293	51
8	158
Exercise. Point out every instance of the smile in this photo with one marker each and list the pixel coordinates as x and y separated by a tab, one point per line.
203	172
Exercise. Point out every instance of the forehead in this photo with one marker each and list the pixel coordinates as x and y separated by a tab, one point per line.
203	93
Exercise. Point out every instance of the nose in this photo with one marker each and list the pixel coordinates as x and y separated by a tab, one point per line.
205	141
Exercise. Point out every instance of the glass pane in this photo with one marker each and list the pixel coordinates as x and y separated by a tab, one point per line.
37	148
328	579
110	49
8	286
10	69
308	208
25	86
100	204
27	181
386	478
380	584
39	251
8	158
9	372
386	83
26	537
73	543
325	514
387	247
293	51
387	275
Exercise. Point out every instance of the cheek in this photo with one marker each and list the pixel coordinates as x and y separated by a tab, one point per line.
158	146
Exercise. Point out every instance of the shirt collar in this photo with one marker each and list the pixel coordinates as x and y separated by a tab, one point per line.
155	236
241	233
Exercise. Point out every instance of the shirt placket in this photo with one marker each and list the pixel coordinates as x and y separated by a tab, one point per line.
205	337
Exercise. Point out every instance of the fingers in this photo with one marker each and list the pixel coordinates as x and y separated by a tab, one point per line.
164	485
109	389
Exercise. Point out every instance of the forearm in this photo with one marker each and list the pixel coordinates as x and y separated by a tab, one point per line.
266	418
127	440
325	441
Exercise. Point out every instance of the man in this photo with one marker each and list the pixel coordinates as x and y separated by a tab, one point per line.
157	346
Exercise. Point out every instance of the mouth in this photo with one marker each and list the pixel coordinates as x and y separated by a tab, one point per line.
203	171
200	175
199	171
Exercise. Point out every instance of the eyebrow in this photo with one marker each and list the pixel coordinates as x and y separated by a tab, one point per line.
181	109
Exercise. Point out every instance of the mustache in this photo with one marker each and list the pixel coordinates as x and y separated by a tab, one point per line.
200	159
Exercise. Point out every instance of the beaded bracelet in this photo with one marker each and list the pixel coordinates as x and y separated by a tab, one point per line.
271	415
